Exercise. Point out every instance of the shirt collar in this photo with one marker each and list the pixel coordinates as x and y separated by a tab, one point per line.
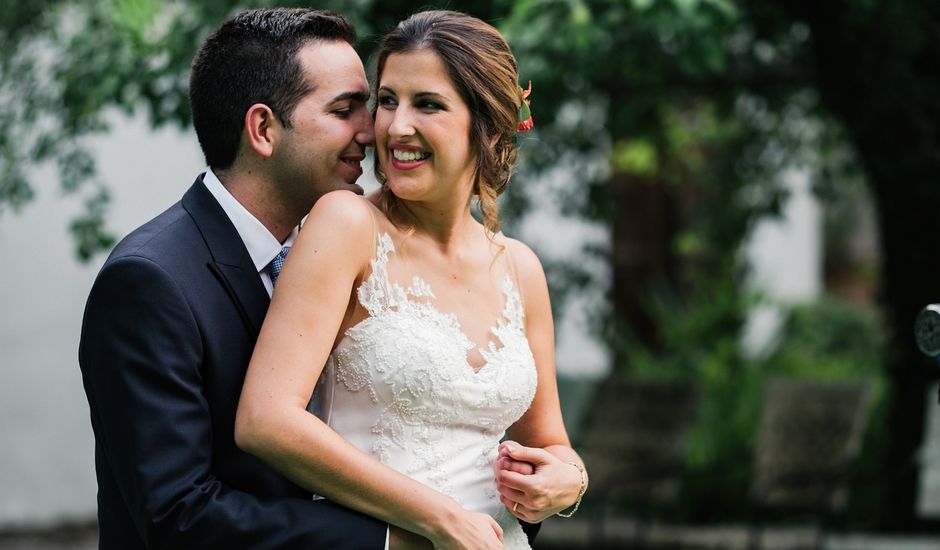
261	244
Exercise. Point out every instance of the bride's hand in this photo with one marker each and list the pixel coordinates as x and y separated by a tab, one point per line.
471	531
551	487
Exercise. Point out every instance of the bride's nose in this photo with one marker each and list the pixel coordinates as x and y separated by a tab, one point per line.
402	124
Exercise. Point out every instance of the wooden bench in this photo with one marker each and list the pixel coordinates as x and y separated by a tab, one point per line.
809	437
633	443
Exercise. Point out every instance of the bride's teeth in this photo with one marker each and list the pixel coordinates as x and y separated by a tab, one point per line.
407	156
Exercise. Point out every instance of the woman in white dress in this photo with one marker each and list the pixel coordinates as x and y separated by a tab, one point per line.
439	327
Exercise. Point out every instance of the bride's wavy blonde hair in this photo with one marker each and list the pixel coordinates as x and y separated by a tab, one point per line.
483	70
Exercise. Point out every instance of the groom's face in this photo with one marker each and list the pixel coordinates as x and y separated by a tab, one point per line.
330	127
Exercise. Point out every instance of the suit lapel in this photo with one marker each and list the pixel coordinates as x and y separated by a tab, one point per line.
230	262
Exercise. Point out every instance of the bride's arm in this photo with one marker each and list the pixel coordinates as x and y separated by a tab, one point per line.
307	310
539	437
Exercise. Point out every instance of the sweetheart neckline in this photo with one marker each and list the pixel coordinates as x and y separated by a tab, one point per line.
491	344
508	290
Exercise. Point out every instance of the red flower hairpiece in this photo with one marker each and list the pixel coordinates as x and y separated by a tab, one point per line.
525	114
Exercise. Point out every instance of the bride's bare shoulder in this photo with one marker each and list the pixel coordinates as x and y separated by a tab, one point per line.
340	218
529	270
526	261
343	206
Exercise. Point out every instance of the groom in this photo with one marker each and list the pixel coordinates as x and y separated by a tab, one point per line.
279	106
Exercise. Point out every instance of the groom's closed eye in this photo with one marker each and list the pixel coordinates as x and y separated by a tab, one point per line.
347	103
344	111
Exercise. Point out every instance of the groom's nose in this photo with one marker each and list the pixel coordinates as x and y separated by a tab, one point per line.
365	136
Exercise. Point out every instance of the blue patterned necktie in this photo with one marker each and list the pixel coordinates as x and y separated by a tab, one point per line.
277	263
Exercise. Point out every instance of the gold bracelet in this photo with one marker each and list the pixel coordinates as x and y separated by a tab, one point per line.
580	492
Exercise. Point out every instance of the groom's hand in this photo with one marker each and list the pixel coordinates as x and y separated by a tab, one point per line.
399	539
537	484
510	464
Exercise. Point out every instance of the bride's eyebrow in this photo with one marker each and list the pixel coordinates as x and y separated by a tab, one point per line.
432	95
417	95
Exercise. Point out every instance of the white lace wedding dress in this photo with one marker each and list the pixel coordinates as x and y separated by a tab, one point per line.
404	391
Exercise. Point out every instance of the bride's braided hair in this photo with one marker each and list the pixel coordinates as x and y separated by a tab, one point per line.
484	72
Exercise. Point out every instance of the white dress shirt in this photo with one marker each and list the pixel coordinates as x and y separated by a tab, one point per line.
261	244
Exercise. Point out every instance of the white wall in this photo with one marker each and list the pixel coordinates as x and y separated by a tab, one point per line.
558	237
786	257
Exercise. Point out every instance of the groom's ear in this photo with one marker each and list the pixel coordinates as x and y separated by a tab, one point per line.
261	129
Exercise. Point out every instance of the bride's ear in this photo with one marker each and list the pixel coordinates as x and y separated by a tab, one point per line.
262	129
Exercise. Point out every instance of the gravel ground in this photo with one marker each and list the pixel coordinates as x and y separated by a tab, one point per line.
82	536
576	534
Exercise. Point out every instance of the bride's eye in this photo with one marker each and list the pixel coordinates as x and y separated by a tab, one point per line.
387	101
429	105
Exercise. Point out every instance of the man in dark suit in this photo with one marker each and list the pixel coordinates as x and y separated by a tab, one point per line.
279	105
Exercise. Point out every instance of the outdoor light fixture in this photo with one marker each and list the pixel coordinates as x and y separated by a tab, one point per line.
927	333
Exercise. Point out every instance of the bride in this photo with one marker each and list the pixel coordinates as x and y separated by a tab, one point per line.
440	327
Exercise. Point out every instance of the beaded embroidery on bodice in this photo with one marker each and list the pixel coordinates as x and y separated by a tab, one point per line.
405	392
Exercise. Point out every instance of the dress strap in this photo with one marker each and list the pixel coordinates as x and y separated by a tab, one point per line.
374	292
375	224
513	272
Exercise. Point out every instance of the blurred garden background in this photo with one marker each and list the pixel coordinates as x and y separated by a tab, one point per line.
737	203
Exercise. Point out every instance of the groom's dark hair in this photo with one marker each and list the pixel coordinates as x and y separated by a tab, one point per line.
252	58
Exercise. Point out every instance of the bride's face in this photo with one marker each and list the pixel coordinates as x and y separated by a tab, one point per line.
422	128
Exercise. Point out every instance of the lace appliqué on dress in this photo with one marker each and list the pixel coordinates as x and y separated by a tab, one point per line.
435	417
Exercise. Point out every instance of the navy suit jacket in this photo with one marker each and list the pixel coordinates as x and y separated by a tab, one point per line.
168	332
